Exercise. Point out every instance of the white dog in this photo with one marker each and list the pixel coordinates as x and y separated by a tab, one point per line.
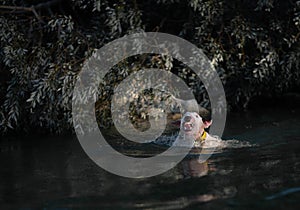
192	126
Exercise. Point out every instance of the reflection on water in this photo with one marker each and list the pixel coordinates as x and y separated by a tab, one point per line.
194	168
54	173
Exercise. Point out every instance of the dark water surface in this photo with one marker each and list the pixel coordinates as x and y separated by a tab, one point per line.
55	173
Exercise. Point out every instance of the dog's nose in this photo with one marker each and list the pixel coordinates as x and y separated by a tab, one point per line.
187	118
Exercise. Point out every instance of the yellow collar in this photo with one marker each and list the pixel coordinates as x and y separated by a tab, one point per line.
202	137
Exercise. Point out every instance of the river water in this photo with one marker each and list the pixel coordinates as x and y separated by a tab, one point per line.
55	173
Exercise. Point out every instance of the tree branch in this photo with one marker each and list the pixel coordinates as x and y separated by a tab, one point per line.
14	8
32	9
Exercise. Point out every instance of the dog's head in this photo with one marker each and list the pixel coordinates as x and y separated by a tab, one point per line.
193	125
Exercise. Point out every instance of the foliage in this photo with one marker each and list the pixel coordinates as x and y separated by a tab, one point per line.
254	45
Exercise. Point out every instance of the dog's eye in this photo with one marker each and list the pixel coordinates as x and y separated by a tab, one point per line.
197	115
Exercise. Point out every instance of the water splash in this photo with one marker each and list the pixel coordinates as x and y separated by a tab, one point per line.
218	143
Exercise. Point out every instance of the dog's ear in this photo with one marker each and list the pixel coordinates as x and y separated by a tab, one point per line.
207	123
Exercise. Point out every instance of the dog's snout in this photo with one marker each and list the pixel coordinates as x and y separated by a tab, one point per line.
187	118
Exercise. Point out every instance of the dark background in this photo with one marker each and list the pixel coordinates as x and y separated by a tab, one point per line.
254	46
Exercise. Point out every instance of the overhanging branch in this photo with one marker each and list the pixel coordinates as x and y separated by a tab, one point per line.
32	9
